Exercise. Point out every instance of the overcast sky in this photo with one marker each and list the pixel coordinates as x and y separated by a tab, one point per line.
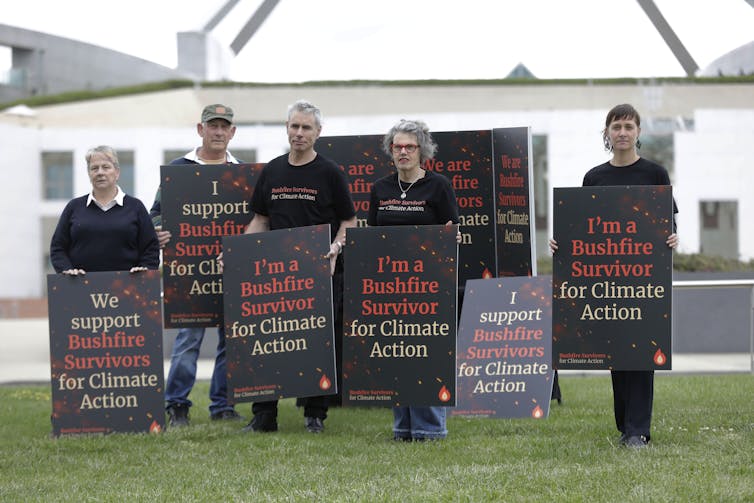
408	39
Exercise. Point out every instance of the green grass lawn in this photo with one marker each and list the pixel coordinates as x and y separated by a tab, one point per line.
702	450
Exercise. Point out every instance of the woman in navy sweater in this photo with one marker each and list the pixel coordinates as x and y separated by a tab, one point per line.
105	230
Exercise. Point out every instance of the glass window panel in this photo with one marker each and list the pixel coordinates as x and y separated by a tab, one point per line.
57	175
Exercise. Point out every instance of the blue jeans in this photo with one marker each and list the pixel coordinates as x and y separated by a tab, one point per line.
419	423
182	373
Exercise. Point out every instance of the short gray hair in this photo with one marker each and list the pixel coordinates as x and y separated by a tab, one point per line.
305	107
108	152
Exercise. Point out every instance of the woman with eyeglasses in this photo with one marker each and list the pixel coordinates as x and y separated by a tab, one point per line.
433	202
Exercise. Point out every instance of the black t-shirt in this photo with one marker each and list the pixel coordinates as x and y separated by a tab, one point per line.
642	172
298	196
429	201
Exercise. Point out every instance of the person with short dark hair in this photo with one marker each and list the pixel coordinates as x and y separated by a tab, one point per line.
633	390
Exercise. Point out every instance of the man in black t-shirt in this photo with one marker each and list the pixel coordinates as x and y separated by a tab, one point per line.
299	189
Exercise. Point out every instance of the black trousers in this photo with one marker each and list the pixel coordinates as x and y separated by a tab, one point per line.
316	406
633	393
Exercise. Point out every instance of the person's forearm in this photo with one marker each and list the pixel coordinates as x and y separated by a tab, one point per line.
340	236
259	223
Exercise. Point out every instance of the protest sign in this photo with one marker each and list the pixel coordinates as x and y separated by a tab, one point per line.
200	204
400	316
106	352
279	315
612	278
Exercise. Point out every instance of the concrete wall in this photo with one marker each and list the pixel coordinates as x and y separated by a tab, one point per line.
53	64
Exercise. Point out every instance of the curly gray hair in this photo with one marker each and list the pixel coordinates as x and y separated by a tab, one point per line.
427	146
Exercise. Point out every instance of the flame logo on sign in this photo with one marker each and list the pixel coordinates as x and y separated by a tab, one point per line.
155	427
660	358
324	383
444	394
486	274
537	413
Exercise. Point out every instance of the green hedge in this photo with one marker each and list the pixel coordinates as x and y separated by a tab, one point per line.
693	262
85	95
696	262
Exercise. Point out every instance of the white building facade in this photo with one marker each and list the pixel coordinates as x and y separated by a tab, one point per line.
703	132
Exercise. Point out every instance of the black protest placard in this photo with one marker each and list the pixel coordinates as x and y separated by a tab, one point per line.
504	348
399	316
612	278
362	160
514	202
465	158
106	353
279	315
200	203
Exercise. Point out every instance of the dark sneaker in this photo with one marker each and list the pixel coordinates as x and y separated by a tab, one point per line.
263	422
178	415
314	425
637	441
225	415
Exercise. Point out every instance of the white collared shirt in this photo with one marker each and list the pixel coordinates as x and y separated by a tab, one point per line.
194	156
118	199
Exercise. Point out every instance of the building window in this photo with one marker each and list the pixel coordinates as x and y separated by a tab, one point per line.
57	175
126	162
718	228
48	229
541	190
658	148
710	214
247	156
169	155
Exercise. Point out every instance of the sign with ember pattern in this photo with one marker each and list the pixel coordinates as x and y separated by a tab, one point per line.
200	203
505	348
106	353
490	172
399	316
278	314
514	201
612	278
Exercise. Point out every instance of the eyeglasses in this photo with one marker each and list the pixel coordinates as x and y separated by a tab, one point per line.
397	148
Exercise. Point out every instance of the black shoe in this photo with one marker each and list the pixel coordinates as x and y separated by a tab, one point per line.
262	422
178	415
314	425
225	415
637	441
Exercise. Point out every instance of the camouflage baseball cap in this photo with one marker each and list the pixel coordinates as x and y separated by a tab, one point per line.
217	111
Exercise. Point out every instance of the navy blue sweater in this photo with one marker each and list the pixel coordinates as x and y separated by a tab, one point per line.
114	240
